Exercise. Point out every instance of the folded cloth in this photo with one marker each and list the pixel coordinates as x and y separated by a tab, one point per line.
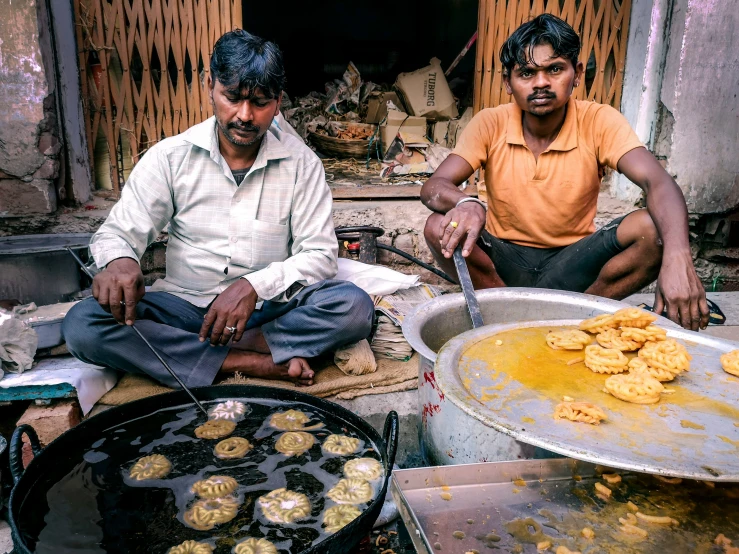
356	359
391	376
18	343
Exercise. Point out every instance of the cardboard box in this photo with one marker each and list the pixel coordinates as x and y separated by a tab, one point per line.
441	132
396	121
456	127
426	92
377	105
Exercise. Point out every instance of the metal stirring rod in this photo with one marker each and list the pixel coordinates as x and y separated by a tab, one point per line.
143	338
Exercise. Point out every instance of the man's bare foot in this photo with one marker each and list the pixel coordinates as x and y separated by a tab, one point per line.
254	364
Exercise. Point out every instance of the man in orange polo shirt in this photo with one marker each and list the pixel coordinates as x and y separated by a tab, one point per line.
544	156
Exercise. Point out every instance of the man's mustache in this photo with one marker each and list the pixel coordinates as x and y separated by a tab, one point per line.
248	127
537	95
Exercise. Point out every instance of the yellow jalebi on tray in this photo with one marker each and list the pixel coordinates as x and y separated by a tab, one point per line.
292	420
340	444
368	469
605	360
294	443
207	513
730	362
232	448
637	365
255	546
634	317
191	547
338	517
668	355
351	491
215	486
651	333
215	429
598	324
284	506
155	466
584	412
570	339
638	388
613	338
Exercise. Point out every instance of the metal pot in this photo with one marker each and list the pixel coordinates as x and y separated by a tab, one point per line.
447	435
38	268
123	527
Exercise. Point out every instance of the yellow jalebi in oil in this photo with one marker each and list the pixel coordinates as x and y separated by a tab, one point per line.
584	412
730	362
668	355
338	517
215	429
155	466
340	444
637	365
292	420
368	469
570	339
351	491
294	443
634	317
215	486
638	388
605	360
612	338
284	506
255	546
191	547
598	324
651	333
232	448
207	513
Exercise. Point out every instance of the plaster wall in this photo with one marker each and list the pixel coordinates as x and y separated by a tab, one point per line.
29	145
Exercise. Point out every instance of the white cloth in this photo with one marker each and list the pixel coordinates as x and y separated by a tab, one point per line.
375	280
90	381
18	344
275	229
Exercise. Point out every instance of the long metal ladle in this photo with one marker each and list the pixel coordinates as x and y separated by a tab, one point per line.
143	338
467	289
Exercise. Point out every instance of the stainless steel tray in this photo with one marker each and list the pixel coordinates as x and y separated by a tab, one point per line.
512	506
693	433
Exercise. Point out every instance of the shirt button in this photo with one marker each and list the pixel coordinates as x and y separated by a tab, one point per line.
234	239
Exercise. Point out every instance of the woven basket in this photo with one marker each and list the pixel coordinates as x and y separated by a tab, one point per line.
342	148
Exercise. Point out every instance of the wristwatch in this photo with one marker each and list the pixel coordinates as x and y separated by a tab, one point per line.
471	199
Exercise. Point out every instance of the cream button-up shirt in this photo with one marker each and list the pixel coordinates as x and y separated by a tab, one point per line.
275	229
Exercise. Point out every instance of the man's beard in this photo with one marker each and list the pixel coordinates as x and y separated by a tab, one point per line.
226	129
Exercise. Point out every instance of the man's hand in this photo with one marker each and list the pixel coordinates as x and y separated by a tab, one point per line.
680	289
470	219
118	288
232	308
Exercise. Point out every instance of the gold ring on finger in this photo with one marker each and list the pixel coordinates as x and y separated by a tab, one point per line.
454	224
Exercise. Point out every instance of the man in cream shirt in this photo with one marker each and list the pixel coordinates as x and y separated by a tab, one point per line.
251	251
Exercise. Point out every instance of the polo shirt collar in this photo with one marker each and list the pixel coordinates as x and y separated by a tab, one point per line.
566	139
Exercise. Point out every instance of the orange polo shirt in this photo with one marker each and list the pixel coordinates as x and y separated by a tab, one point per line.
551	201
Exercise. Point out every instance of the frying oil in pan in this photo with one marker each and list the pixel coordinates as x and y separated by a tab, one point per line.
94	507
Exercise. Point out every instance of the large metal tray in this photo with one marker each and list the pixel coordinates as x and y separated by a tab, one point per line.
512	506
693	433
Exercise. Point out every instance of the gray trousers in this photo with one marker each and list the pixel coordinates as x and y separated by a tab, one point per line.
319	319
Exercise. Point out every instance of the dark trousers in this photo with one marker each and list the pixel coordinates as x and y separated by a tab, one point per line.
319	319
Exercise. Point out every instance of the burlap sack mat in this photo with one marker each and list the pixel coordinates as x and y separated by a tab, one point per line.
391	376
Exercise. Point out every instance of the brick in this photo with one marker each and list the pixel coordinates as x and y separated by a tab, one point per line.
404	243
49	170
51	421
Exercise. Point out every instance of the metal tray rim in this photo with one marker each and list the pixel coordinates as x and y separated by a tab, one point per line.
450	384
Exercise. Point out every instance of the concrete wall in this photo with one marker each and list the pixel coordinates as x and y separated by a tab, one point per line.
29	144
680	94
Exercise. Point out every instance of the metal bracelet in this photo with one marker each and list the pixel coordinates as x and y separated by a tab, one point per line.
471	199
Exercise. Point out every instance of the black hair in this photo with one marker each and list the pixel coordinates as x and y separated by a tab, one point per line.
240	58
544	29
